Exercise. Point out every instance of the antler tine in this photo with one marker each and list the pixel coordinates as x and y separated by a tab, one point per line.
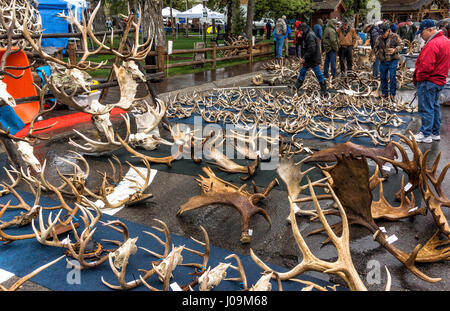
44	233
121	274
240	268
204	255
343	267
124	230
19	283
166	244
166	278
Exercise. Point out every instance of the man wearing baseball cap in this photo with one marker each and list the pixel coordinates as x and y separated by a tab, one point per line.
430	76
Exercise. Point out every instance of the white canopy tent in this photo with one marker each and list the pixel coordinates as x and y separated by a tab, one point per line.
166	12
197	12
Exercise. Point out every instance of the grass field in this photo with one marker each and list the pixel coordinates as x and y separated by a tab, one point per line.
181	42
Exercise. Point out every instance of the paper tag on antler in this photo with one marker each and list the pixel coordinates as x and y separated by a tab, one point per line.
392	239
413	209
250	232
382	229
386	168
408	186
175	287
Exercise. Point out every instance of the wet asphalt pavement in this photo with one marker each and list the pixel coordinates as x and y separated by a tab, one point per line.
272	243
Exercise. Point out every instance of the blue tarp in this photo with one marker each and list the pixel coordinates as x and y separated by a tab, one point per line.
51	23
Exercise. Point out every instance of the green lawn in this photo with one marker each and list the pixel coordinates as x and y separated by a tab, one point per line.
181	42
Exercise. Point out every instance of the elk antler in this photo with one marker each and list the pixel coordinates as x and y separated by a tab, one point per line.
351	185
147	273
292	176
343	266
227	165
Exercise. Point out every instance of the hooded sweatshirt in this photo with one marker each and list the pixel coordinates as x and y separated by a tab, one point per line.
310	47
330	37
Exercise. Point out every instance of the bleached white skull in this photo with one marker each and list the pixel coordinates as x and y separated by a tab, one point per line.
26	152
263	284
146	141
102	121
133	70
127	75
80	78
118	256
163	268
215	276
5	97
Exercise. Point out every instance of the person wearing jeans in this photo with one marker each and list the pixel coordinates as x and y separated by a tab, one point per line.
279	43
430	76
388	72
330	46
387	49
330	61
429	110
315	69
376	67
310	56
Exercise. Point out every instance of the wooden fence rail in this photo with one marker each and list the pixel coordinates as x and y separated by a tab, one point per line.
243	51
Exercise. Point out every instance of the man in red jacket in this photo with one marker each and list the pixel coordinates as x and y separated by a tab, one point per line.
430	76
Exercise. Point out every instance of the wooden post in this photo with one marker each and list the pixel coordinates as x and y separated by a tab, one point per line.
213	54
160	57
250	50
72	51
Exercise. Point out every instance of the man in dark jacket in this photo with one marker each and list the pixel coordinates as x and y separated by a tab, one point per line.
373	32
330	47
268	29
310	56
430	75
408	31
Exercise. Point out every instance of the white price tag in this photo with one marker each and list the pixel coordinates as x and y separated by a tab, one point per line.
386	168
250	232
175	287
307	149
392	239
382	229
408	186
413	209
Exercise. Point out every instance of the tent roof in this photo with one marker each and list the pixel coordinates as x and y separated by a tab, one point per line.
197	12
166	12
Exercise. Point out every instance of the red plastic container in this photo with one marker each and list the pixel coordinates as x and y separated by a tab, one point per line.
22	87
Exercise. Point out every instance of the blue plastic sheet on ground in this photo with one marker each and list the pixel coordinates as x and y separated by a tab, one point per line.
22	257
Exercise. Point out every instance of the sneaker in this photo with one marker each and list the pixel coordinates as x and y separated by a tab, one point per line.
435	137
420	138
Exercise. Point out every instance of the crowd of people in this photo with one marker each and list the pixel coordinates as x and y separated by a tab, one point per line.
386	40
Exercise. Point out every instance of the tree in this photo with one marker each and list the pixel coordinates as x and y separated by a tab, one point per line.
238	20
117	7
356	8
151	18
100	19
250	16
276	9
